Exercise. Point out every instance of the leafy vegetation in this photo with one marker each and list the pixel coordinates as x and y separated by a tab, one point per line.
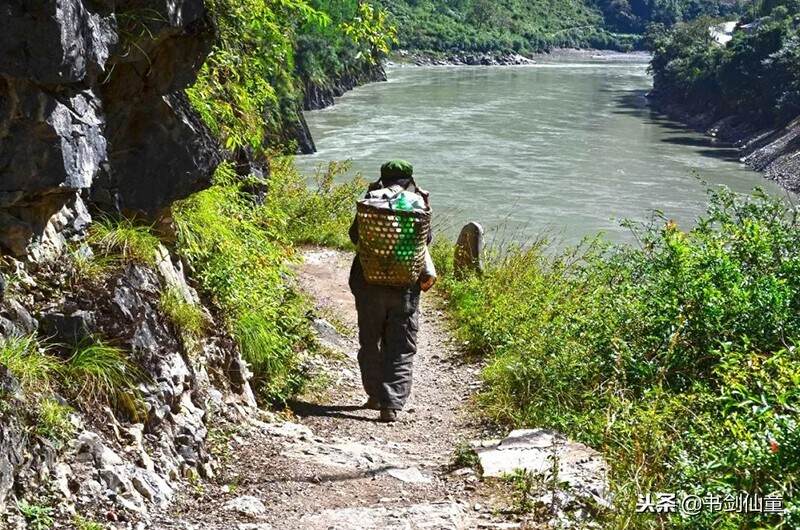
319	215
757	74
239	248
677	357
634	16
82	523
249	91
36	516
357	37
505	26
464	456
53	420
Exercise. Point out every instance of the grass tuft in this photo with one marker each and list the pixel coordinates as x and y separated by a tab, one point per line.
240	248
99	373
122	237
88	268
29	362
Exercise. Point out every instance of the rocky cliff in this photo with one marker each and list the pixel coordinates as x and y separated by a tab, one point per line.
116	460
92	111
322	96
93	120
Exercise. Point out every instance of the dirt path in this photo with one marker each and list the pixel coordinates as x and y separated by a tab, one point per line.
332	466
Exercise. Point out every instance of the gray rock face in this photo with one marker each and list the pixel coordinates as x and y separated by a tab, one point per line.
118	463
13	444
773	151
91	100
320	97
16	320
56	42
71	328
776	154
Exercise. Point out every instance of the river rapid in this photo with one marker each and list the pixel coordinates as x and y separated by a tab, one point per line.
565	148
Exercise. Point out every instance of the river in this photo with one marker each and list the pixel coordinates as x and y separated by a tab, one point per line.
565	147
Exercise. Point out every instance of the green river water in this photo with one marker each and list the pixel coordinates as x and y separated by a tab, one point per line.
565	147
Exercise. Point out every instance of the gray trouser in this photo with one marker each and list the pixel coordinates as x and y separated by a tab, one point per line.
388	321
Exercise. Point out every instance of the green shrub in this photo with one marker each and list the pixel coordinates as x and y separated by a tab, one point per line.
240	261
320	216
251	99
756	74
499	26
124	238
675	356
240	250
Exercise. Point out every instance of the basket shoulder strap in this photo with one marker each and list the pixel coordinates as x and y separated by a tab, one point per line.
419	191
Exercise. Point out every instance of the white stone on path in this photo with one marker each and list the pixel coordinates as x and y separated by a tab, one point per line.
411	475
246	505
583	468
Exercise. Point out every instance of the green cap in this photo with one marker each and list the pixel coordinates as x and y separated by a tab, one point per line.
397	169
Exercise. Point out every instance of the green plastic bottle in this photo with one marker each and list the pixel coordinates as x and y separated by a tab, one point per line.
404	249
401	203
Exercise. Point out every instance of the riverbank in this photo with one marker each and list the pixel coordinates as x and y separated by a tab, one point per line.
775	152
421	58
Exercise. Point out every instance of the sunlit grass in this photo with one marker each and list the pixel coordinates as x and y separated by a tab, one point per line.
29	362
99	373
124	238
186	316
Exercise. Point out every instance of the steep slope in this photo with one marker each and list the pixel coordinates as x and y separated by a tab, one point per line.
506	26
503	26
745	91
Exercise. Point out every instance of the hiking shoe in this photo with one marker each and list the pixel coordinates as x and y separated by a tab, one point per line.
372	404
388	415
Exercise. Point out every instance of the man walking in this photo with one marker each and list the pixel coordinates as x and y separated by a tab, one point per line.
388	320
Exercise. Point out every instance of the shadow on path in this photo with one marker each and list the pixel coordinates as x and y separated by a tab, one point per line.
331	477
305	409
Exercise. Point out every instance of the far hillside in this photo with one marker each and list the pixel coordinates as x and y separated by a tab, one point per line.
453	26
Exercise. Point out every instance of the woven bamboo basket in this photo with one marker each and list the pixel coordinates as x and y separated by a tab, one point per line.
391	244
